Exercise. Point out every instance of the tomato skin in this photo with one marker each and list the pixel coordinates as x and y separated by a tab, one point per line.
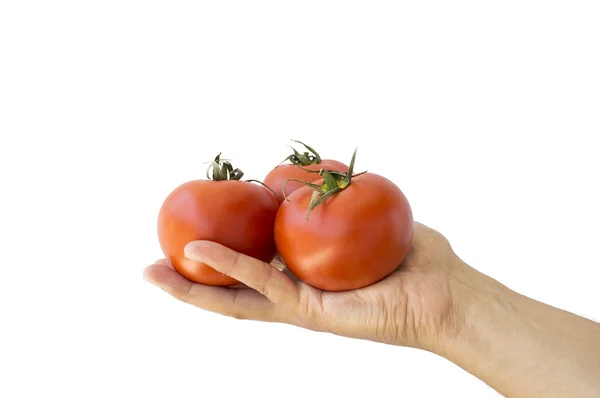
353	239
279	174
237	214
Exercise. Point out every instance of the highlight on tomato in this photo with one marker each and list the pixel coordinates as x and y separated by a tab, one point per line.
297	169
345	231
222	208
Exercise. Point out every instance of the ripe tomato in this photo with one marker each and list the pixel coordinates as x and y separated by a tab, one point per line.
309	161
351	239
234	213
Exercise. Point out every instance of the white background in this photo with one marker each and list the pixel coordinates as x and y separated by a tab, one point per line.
486	114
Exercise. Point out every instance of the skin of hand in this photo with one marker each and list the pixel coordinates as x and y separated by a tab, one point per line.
433	301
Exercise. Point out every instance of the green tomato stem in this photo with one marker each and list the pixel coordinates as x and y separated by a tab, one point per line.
303	159
222	170
334	182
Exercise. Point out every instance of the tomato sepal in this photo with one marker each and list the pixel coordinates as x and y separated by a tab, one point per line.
306	158
334	182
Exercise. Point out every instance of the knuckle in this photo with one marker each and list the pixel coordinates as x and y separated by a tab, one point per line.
234	264
183	295
310	310
264	286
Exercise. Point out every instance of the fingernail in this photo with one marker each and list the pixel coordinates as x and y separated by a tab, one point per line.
193	250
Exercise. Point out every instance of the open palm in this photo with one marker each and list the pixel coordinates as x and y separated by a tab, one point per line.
406	308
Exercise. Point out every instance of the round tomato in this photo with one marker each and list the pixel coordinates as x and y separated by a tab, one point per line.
307	161
234	213
351	239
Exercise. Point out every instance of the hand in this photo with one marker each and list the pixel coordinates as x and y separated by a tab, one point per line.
411	307
433	301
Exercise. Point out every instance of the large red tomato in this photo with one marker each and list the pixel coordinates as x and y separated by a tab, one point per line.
308	161
234	213
355	237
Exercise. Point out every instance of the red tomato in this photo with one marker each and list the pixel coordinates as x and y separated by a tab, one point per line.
354	238
237	214
308	161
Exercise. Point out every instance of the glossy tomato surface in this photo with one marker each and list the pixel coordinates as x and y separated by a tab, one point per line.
237	214
279	174
351	240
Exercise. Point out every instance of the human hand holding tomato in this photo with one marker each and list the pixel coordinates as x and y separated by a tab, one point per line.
387	278
413	306
342	265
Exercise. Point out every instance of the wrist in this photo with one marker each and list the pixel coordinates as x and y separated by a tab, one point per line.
482	314
516	345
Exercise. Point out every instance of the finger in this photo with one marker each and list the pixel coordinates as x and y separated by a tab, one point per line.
236	303
238	286
258	275
163	261
278	263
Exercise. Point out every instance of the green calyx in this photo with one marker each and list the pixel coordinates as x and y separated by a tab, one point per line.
303	159
334	182
222	170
